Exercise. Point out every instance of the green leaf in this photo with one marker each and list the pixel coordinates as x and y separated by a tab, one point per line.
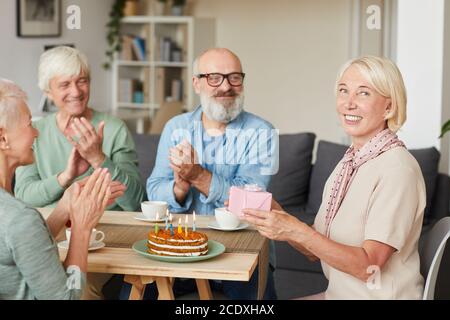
445	128
113	31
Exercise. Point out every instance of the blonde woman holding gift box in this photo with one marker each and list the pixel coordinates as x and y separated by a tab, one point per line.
367	229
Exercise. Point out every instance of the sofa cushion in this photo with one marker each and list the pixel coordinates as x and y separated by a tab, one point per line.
289	258
292	284
146	148
329	154
428	160
290	185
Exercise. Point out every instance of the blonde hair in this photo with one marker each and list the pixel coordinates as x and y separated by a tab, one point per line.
61	61
10	97
385	77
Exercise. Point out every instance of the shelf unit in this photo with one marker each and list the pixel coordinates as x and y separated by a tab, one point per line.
160	80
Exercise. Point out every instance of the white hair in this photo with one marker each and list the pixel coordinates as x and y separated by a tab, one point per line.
385	77
61	61
220	113
10	97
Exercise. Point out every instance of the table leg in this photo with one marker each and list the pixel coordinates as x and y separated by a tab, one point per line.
138	284
263	269
204	290
165	291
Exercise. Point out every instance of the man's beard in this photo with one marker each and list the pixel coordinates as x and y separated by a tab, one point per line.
219	112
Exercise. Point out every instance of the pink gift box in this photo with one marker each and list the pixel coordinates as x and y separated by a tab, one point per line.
248	197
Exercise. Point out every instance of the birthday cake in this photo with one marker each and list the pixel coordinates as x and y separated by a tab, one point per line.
167	243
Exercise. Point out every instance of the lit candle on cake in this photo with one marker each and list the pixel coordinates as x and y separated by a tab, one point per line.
171	226
156	224
167	218
193	223
186	226
180	228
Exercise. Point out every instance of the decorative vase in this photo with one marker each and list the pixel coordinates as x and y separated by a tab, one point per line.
177	10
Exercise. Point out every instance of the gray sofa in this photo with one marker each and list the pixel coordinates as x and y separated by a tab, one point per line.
298	187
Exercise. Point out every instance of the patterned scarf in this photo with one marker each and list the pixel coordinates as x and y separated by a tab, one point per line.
352	160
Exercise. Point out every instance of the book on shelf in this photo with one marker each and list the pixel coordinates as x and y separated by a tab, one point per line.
177	90
146	85
133	48
127	53
169	50
125	90
139	48
138	92
131	91
164	47
160	86
176	55
184	43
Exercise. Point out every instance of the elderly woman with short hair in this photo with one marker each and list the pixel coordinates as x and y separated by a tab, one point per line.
367	229
76	140
69	145
29	261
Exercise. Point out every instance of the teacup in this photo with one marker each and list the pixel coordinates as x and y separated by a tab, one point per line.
151	208
93	237
226	219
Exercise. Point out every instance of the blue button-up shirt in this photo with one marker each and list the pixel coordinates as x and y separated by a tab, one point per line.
246	154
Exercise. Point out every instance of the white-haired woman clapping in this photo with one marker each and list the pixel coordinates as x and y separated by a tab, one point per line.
30	267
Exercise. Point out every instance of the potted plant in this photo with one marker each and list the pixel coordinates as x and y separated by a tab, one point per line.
445	128
113	31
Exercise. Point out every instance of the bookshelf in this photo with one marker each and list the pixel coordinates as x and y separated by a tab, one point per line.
154	67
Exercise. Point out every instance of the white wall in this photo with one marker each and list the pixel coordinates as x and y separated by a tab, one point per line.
420	27
19	57
291	52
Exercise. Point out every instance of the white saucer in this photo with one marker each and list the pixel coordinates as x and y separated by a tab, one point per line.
141	217
95	245
215	226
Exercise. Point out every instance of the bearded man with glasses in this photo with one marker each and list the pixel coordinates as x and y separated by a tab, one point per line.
201	154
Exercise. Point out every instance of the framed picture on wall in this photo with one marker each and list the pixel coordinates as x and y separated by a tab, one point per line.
38	18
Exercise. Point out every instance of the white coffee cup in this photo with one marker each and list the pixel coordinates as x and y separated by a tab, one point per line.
226	219
151	208
93	237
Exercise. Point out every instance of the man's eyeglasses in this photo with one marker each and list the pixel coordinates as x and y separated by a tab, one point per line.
235	79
